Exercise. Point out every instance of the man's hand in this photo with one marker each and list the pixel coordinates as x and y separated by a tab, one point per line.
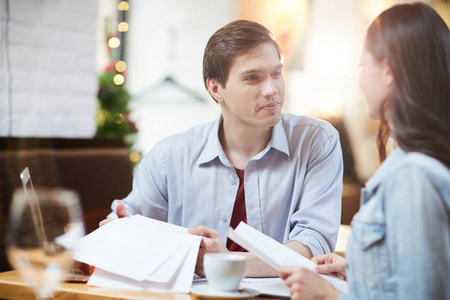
211	243
120	211
331	263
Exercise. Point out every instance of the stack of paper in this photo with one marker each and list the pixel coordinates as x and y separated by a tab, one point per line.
140	253
274	253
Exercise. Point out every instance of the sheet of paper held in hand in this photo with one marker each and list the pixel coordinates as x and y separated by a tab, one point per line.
275	254
140	253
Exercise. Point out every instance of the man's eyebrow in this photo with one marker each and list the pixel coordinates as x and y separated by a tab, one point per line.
252	71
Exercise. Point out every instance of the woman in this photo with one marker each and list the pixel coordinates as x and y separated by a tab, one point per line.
400	242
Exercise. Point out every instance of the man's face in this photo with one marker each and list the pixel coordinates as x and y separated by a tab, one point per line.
254	93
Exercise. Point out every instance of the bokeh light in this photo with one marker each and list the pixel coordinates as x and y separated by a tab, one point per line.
123	5
114	42
121	66
122	27
135	157
118	118
119	79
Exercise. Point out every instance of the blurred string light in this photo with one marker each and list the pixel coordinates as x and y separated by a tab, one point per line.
118	118
116	42
135	157
123	27
118	79
117	67
123	5
121	66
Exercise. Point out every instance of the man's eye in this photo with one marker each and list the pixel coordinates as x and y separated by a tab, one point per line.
250	78
277	74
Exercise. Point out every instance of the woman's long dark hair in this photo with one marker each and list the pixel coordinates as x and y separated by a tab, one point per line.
416	43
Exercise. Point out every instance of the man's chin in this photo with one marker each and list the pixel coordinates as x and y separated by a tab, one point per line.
272	120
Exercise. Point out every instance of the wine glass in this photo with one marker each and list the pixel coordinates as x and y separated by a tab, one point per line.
43	225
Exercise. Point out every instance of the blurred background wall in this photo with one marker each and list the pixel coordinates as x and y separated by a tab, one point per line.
52	54
48	79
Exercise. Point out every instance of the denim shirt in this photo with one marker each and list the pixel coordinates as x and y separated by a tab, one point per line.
293	187
400	242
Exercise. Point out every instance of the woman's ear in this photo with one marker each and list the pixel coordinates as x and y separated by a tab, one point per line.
387	73
214	88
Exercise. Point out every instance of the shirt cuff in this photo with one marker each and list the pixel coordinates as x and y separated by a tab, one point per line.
316	244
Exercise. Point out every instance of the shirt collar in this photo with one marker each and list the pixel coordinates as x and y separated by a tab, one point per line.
279	139
214	149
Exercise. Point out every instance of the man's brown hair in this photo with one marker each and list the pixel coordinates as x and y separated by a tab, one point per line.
230	41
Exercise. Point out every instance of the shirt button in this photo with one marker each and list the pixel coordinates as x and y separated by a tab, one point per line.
233	182
224	219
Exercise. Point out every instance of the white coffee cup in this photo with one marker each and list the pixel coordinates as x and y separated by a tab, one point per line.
224	271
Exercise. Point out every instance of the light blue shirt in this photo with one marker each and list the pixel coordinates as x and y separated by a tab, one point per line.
292	188
400	242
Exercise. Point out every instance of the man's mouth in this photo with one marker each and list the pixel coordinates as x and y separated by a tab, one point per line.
271	106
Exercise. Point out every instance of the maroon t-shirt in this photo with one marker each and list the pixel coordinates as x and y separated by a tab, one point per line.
239	212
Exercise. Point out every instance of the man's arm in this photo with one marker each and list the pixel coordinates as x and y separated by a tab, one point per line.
149	192
299	248
258	268
316	222
212	243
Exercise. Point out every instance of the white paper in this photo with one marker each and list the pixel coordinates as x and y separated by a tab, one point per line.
273	287
124	246
166	271
180	281
140	253
275	254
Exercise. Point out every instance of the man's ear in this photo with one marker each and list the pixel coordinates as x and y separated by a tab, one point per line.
214	88
387	73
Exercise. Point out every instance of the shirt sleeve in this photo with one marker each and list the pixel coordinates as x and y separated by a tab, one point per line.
316	222
149	194
418	233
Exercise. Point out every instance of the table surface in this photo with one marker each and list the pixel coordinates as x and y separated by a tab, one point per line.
12	287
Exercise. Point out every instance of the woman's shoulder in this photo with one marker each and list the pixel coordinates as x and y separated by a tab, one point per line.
419	176
427	166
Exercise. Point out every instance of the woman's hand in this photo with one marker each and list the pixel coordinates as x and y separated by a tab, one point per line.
306	284
331	263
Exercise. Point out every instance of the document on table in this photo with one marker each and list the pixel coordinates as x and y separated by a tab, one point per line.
140	253
270	287
275	254
180	282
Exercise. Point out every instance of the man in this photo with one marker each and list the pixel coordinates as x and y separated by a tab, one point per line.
282	174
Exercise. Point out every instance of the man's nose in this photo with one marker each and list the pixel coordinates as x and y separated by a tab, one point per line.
269	88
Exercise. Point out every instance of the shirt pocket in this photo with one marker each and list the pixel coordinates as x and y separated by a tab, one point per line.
368	234
370	253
